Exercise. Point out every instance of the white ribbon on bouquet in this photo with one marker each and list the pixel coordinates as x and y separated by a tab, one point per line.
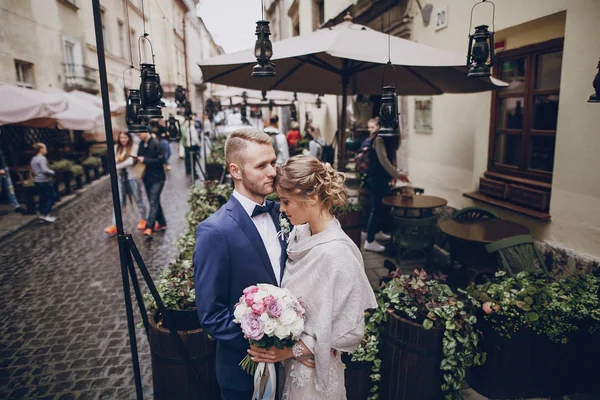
265	382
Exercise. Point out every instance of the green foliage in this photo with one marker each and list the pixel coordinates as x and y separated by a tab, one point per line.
76	170
217	152
92	162
176	284
99	151
551	308
426	300
61	165
273	197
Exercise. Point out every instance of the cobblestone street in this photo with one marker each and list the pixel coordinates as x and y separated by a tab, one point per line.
64	331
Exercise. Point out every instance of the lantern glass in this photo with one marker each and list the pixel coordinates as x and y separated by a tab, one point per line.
481	52
263	51
388	112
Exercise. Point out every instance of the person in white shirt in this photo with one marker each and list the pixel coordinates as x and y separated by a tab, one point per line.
280	144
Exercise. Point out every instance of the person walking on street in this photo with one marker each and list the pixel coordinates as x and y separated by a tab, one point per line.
381	172
163	136
7	186
316	144
280	144
41	177
293	136
129	185
151	154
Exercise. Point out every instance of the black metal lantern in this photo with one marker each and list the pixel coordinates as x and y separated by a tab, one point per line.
595	98
388	112
180	97
173	128
319	102
293	112
263	51
271	105
187	109
151	93
480	56
264	95
134	104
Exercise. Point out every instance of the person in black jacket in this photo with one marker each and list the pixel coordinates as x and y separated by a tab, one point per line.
151	153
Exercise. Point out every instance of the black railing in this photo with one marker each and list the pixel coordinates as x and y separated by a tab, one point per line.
81	77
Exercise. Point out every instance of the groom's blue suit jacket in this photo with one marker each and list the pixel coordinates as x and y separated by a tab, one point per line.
230	256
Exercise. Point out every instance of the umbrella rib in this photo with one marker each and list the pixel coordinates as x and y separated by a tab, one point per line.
226	72
316	61
368	67
418	75
287	74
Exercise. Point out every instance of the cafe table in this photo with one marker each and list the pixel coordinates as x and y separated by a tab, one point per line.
421	205
467	244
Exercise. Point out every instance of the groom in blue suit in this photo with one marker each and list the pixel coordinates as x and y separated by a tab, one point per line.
236	247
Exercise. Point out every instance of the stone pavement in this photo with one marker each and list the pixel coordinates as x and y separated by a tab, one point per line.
64	332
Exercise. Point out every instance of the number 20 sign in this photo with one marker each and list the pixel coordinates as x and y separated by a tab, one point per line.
441	18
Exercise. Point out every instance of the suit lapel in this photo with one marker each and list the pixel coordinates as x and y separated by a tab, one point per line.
282	241
237	212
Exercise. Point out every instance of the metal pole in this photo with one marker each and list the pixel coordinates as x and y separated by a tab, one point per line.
342	133
123	249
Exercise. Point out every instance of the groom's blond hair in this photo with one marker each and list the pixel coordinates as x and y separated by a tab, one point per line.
236	143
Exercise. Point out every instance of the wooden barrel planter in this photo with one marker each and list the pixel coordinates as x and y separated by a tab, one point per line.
530	365
171	376
357	378
350	222
410	361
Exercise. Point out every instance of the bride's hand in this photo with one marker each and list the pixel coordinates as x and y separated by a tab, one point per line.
271	355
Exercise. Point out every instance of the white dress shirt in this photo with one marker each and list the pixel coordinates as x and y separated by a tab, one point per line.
267	231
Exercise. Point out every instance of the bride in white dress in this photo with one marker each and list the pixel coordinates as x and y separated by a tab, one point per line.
325	271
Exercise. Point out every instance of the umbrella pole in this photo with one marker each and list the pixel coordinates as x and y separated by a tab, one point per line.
342	133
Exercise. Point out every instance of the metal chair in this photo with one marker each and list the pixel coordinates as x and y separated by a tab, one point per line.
473	214
414	235
398	190
517	254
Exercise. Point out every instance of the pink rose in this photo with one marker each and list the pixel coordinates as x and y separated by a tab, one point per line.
487	307
252	327
274	309
258	308
249	295
251	289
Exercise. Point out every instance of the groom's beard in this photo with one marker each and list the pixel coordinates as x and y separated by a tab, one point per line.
260	189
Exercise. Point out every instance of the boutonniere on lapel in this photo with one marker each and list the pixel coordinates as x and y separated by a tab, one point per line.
284	228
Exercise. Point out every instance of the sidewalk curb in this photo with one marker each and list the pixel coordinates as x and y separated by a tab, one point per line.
30	219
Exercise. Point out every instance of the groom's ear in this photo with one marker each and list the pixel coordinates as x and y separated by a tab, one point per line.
235	171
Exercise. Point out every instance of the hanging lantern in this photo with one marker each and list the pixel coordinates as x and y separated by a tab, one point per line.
263	51
293	112
151	93
134	104
480	56
173	128
187	109
595	98
244	97
319	102
388	113
264	95
180	97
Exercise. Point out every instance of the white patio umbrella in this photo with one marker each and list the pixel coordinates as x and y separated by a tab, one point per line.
80	115
285	97
349	59
115	106
18	105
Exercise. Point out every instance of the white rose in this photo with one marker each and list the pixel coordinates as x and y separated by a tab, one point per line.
239	312
264	317
261	294
288	317
282	331
297	328
269	327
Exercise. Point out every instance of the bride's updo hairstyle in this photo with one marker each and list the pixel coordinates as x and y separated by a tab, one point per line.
305	175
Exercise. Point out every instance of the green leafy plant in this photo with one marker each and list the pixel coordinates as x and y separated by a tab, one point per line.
76	170
61	165
273	196
91	162
175	287
217	152
552	308
99	151
425	300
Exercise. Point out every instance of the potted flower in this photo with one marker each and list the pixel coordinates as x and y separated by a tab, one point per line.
541	335
176	288
425	333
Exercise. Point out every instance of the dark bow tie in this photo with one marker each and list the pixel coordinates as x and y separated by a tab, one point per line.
262	209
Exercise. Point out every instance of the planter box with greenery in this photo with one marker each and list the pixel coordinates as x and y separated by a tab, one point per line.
349	218
91	164
102	154
29	193
174	380
541	334
77	173
62	169
424	333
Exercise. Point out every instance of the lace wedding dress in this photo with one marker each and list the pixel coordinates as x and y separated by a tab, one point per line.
326	273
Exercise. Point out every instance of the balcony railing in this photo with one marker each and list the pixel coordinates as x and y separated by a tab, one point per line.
81	77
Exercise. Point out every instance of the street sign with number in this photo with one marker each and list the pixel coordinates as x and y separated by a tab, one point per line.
441	17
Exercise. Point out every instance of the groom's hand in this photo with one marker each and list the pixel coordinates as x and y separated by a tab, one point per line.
271	355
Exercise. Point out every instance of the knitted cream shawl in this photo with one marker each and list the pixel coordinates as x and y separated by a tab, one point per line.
326	272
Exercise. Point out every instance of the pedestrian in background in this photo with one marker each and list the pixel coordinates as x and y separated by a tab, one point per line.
7	186
151	154
162	135
293	136
316	144
280	144
129	185
382	156
41	178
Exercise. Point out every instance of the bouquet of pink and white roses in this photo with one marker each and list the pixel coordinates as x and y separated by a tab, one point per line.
269	316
